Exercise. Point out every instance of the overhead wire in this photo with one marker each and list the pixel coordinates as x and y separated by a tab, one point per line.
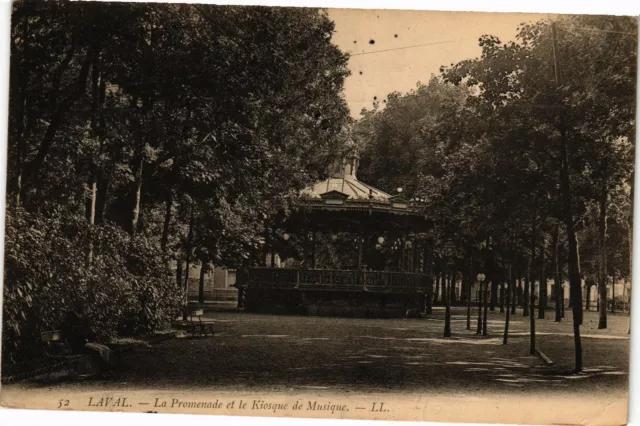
411	47
395	49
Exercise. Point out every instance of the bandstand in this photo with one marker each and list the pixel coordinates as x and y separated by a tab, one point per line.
383	270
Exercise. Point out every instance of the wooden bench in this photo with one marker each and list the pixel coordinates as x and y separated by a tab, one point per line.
56	346
57	349
198	326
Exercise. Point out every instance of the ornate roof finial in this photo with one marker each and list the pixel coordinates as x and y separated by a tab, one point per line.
350	160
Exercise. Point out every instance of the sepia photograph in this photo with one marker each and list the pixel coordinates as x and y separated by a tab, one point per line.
319	213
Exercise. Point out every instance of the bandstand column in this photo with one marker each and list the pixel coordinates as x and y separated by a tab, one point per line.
305	242
313	249
410	257
402	253
360	248
415	260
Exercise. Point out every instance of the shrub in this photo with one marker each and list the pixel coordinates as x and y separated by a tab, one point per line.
126	290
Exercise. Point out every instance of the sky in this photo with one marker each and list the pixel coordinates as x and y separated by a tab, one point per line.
454	36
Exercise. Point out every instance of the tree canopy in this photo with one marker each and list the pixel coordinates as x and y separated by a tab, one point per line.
534	136
177	129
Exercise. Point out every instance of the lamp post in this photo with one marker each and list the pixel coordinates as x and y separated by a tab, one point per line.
449	249
480	279
285	238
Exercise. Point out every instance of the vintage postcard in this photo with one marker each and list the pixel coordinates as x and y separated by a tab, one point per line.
319	213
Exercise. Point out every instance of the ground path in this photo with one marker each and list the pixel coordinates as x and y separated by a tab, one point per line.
294	353
406	363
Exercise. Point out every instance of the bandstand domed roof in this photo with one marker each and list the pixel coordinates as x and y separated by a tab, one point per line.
343	181
342	191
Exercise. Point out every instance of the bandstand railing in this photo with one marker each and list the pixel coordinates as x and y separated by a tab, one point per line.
328	279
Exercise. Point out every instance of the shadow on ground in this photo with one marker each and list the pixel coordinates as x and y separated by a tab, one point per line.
252	352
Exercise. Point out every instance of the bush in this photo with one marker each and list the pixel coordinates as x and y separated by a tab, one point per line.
127	289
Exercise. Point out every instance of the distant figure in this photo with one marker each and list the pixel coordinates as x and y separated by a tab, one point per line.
412	311
82	339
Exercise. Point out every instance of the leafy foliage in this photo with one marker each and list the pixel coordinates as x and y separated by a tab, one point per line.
479	145
144	133
126	290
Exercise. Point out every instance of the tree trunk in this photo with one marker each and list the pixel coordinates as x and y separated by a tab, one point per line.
532	322
602	258
103	180
203	271
135	215
491	276
479	329
630	242
18	188
100	178
530	278
557	274
512	281
167	220
588	284
97	98
486	305
93	192
21	76
92	217
510	286
542	301
437	289
447	309
188	264
469	285
502	297
29	170
525	296
429	270
575	284
520	290
429	307
179	272
562	302
613	292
